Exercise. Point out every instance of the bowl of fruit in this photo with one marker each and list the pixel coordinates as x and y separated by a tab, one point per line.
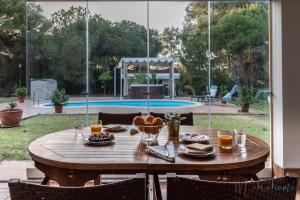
149	127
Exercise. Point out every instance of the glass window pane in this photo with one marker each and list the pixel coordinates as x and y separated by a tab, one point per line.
240	66
55	59
118	33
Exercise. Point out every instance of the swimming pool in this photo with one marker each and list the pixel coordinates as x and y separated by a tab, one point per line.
129	103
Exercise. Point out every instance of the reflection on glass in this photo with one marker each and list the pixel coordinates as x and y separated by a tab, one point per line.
65	51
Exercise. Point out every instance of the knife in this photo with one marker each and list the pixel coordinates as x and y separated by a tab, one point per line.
166	149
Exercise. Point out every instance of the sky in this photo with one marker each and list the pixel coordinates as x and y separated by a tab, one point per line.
162	14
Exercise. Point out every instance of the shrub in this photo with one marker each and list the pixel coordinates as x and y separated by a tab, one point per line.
223	91
59	97
11	106
20	91
245	96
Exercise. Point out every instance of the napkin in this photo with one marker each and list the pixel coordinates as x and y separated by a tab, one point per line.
197	148
160	151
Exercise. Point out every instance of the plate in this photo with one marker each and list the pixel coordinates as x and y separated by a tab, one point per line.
182	148
188	138
115	129
104	143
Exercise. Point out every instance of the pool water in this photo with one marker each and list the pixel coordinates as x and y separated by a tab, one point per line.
129	103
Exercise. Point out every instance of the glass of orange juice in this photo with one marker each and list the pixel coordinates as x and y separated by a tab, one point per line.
96	127
225	139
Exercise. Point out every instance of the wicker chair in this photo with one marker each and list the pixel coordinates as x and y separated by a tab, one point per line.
109	118
273	189
189	119
132	189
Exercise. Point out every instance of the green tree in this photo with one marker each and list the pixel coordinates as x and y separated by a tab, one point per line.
170	41
241	36
38	44
12	42
104	78
59	51
69	39
192	56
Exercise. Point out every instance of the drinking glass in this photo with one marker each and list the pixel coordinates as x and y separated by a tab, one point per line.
96	127
225	139
240	137
86	132
78	129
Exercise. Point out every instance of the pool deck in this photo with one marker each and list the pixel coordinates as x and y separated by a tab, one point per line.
217	108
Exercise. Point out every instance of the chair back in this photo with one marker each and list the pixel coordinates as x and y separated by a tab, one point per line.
273	189
189	117
133	189
109	118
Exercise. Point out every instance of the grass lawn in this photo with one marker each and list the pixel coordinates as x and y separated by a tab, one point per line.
253	124
261	105
14	142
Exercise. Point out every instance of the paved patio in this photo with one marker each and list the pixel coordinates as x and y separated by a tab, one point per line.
217	108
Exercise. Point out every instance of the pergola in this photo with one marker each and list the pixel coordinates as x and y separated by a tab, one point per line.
143	62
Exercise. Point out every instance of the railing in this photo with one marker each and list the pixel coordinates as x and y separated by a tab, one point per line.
34	95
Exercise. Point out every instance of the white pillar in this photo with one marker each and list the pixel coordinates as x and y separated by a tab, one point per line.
285	51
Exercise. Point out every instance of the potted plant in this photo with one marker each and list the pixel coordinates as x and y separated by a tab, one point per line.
59	98
21	93
173	122
245	98
11	116
222	93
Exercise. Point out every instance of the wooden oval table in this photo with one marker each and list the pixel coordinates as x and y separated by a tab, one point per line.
65	159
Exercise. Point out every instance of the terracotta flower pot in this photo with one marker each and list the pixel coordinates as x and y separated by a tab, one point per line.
21	99
11	118
245	108
58	109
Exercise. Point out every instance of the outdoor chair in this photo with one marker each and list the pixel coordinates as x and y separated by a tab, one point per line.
189	119
272	189
132	189
205	96
109	118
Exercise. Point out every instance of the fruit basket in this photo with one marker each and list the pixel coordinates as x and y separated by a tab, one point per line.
149	133
148	128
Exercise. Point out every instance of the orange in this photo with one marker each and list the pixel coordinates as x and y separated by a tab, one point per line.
147	128
158	122
138	120
141	128
150	119
155	130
